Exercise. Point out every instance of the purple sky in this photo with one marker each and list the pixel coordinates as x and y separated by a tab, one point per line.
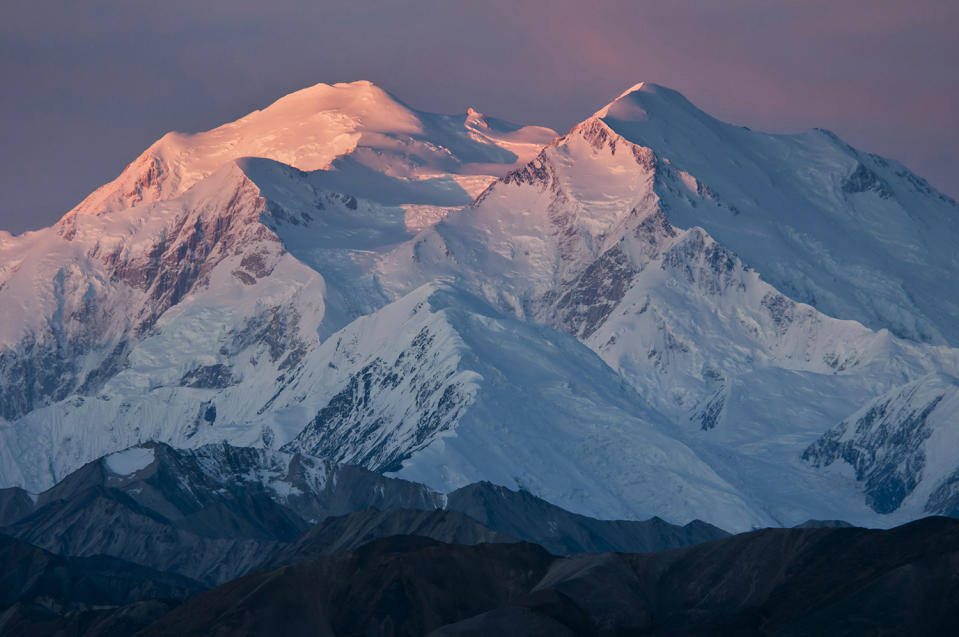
86	86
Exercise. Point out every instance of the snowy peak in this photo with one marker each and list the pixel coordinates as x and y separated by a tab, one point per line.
475	119
643	101
638	86
367	105
853	234
546	222
306	129
311	128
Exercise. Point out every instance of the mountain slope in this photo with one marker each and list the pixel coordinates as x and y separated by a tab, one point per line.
584	239
531	519
204	304
31	574
218	512
442	389
900	447
81	294
398	585
855	235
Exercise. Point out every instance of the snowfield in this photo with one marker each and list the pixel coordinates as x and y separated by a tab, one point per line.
129	461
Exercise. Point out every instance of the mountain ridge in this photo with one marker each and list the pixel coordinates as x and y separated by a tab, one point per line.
309	129
773	581
219	512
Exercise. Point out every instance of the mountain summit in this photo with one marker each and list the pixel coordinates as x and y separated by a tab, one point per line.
637	102
848	232
309	130
655	314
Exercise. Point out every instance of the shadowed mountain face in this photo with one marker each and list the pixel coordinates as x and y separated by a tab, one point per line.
393	573
393	586
15	503
772	582
45	594
778	582
523	515
347	532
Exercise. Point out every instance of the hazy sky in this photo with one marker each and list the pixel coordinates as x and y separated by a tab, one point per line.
86	86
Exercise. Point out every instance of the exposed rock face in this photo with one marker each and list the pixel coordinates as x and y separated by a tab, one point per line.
888	444
217	376
352	427
191	247
444	389
596	292
862	180
43	368
114	293
945	499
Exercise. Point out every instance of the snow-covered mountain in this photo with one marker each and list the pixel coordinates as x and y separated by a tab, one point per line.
855	235
655	314
440	388
869	244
